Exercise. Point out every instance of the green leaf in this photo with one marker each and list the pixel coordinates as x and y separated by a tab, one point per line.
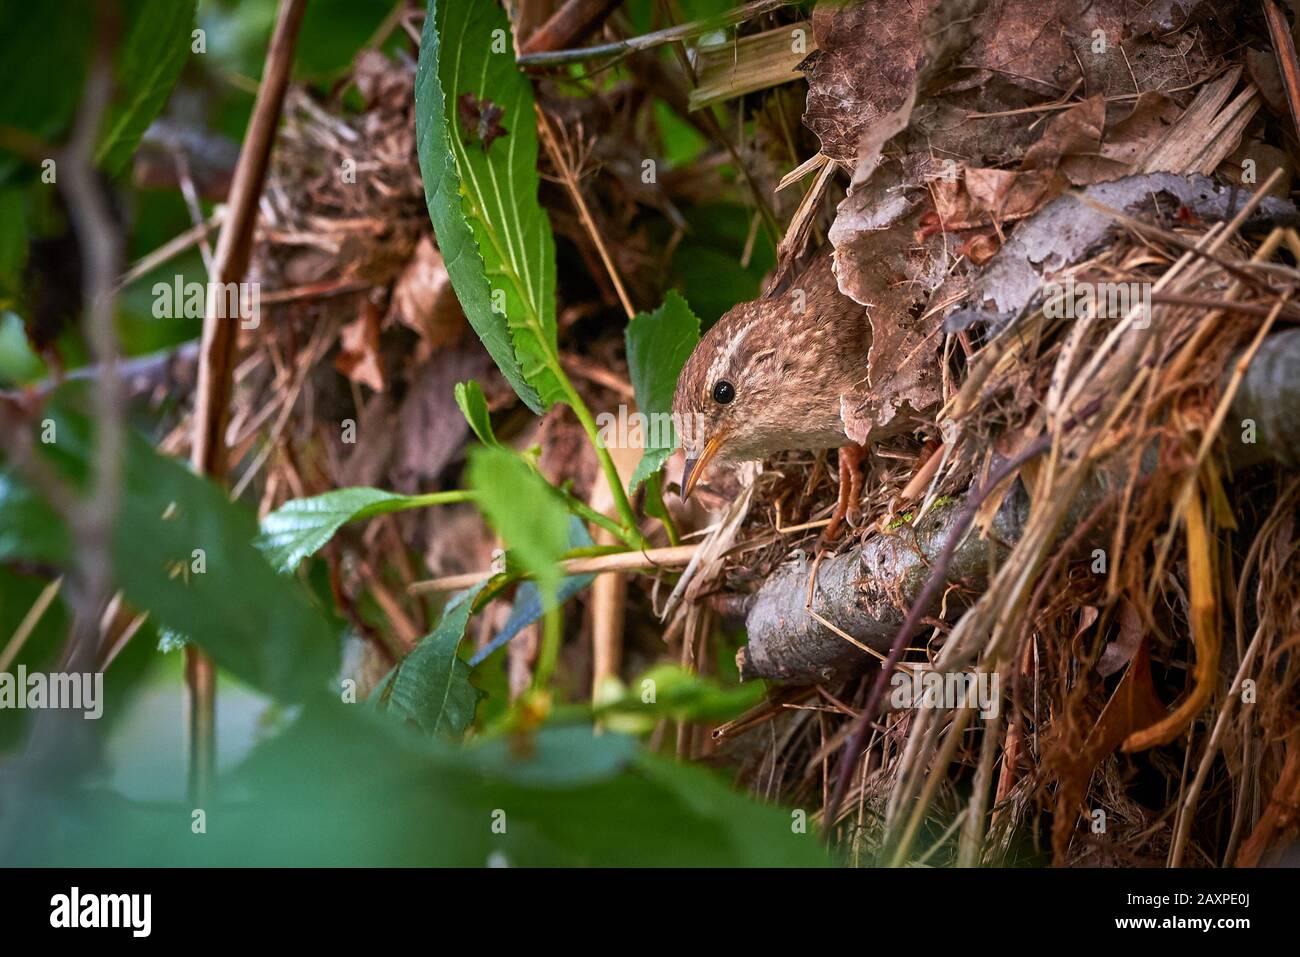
469	396
30	530
45	48
527	512
396	798
182	551
303	526
431	684
13	241
560	756
709	265
751	834
481	191
528	606
155	48
673	691
658	345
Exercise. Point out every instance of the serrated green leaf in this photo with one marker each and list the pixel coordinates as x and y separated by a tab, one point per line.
431	684
303	526
481	191
469	396
155	48
658	345
527	512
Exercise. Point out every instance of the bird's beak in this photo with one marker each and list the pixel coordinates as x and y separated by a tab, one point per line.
694	467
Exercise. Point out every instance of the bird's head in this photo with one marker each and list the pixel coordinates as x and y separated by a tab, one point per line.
726	391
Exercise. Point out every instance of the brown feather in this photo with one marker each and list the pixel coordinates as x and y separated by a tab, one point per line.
789	358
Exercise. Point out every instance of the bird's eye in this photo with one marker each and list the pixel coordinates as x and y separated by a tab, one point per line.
723	392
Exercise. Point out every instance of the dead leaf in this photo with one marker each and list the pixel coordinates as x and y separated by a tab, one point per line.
846	104
985	196
1262	67
980	247
1120	652
892	277
358	356
1133	705
1074	131
423	300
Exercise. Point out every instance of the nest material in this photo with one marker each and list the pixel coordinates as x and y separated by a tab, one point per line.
1122	625
1025	597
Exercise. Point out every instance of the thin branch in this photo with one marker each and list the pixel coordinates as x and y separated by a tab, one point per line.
217	349
648	41
1284	52
569	176
676	556
100	244
574	20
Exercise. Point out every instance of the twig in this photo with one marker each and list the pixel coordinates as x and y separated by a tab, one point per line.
1188	809
1222	305
675	556
648	41
170	249
29	623
569	176
217	350
1284	52
574	20
101	248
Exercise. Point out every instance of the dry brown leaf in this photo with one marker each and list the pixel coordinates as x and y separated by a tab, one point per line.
892	277
846	104
1120	652
1262	67
1042	45
986	196
1074	131
1133	705
423	300
358	356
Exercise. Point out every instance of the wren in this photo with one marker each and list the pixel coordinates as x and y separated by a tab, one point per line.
774	375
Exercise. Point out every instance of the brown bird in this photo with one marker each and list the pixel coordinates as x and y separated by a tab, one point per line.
775	374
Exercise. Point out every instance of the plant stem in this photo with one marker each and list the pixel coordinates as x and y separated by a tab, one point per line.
654	489
550	650
440	498
602	454
585	511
